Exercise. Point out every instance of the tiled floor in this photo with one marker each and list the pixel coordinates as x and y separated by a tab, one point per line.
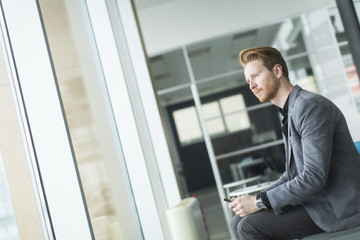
215	218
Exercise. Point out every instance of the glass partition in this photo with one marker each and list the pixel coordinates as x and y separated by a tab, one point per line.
170	70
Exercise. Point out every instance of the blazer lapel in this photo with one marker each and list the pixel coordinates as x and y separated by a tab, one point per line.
292	98
289	153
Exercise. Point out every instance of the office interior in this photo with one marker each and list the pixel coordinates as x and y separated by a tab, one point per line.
115	111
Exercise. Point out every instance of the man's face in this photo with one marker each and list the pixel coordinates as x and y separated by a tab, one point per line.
262	82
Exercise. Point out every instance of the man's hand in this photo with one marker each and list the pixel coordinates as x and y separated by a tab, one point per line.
243	206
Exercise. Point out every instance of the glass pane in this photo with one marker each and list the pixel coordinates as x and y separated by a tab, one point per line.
232	104
19	196
169	70
215	126
211	110
238	121
102	170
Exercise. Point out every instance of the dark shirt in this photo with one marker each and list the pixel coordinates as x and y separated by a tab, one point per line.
284	121
284	129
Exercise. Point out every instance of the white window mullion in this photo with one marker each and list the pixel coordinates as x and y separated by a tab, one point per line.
125	120
148	101
45	121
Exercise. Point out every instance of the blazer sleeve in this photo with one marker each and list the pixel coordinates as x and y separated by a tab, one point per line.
282	179
312	129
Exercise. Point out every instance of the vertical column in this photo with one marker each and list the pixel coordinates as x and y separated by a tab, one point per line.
127	125
147	102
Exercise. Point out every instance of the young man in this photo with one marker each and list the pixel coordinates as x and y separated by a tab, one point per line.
320	188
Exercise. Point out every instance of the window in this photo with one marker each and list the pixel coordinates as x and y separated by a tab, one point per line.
213	118
235	114
187	125
226	115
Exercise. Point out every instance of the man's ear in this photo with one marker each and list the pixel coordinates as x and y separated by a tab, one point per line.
277	70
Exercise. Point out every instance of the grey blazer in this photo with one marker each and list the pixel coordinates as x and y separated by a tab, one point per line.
322	164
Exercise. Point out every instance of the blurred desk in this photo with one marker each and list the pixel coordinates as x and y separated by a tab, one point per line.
243	183
252	190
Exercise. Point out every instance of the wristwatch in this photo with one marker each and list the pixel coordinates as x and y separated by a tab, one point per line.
259	202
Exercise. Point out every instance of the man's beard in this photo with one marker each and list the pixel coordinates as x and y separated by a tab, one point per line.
270	92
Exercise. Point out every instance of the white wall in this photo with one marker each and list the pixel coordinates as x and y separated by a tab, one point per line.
173	24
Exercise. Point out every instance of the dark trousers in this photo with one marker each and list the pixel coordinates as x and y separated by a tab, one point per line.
292	224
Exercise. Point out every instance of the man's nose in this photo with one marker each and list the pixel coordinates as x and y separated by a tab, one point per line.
252	85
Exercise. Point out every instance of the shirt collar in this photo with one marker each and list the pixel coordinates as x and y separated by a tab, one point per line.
284	110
